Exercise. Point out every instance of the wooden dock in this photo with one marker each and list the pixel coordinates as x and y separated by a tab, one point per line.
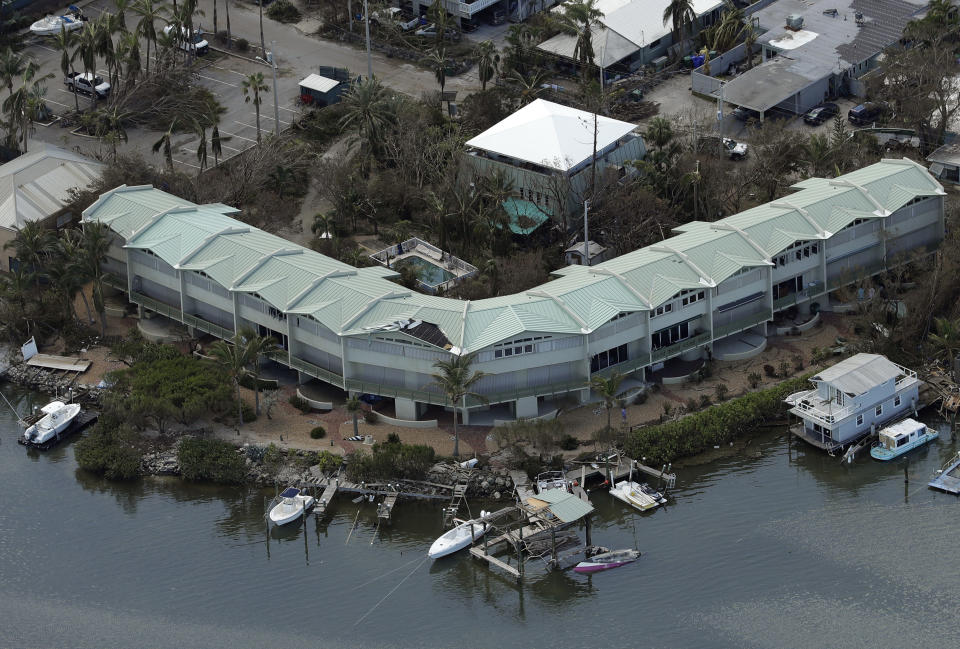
948	479
385	509
65	363
480	553
616	468
327	498
85	419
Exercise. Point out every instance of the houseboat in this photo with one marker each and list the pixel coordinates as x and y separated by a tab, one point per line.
853	399
901	437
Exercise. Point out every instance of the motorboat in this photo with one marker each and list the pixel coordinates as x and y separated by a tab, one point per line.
57	416
53	25
458	538
552	480
639	495
607	560
291	507
893	441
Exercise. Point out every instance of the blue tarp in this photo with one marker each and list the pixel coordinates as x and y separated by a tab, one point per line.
290	492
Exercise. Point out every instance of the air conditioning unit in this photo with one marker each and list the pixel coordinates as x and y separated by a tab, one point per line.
795	22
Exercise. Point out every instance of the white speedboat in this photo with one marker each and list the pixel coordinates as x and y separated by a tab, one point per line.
291	506
640	496
57	417
52	25
458	538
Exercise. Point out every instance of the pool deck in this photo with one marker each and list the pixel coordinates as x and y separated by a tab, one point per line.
453	269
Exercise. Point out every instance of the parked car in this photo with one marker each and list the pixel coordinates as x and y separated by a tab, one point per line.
430	31
88	84
413	23
865	114
744	114
726	146
820	114
190	42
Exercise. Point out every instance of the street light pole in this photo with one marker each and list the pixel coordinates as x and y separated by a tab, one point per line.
586	233
366	20
276	105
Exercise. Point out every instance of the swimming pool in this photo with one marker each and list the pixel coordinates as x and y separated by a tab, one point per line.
428	273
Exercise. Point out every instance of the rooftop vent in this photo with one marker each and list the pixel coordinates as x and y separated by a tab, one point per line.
794	22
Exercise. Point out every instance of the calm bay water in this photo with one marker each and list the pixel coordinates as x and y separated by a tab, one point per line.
770	548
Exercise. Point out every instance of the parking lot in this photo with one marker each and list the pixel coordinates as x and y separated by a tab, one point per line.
222	75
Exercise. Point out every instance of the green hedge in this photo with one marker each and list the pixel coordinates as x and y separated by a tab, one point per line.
713	426
111	449
391	460
210	459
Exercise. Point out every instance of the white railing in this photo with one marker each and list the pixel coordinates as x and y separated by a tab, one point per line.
910	377
808	405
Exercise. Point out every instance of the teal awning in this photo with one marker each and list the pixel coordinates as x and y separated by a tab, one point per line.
533	215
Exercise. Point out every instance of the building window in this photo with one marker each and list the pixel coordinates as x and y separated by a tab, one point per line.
859	420
670	335
879	410
609	357
839	397
517	347
660	310
896	401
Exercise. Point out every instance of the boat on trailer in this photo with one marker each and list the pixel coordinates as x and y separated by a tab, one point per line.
893	441
53	25
459	537
291	507
607	560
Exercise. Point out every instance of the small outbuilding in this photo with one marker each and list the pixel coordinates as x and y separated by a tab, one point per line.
317	90
945	163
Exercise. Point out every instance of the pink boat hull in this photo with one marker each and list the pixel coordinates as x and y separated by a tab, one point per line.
587	566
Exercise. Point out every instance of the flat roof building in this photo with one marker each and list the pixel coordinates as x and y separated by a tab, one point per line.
817	50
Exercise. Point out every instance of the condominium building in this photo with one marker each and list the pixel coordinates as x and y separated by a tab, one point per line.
357	330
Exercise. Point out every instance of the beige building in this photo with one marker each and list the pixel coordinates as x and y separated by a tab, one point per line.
35	187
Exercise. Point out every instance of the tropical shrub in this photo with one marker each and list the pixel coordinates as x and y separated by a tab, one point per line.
721	391
370	417
299	403
754	378
210	459
318	433
713	426
389	461
111	449
284	11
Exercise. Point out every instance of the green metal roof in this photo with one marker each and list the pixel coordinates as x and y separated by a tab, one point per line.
565	505
352	301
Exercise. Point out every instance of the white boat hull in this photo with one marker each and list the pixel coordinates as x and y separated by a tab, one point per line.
632	494
52	424
52	25
457	539
290	510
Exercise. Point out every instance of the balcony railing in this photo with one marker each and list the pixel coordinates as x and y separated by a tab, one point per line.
670	351
747	321
810	406
799	296
208	327
624	368
308	368
113	281
856	274
174	313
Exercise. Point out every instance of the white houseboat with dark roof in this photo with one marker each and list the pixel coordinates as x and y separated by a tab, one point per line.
852	399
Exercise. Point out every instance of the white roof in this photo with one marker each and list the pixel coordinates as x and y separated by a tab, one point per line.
594	248
860	373
904	427
626	26
35	185
319	83
551	135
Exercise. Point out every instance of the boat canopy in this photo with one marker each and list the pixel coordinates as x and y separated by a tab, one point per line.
52	407
290	492
901	429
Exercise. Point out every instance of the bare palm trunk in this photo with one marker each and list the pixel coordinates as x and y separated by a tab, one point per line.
456	435
86	305
258	122
226	3
214	17
239	407
356	426
263	45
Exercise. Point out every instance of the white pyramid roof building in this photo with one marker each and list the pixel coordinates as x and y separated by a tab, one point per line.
550	135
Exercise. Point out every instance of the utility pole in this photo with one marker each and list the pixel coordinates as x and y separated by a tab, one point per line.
366	20
276	105
586	233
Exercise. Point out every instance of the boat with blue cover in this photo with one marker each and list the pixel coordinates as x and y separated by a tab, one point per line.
901	437
291	507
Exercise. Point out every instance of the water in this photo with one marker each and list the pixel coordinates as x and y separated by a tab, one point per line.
781	550
428	272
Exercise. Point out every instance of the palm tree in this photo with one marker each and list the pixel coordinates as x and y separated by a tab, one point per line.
520	39
530	86
353	407
252	87
65	42
323	225
367	109
263	45
32	246
166	145
149	14
26	104
487	60
749	40
215	26
86	50
233	357
105	26
609	389
70	252
216	144
12	65
114	125
129	46
727	32
201	132
95	244
579	19
226	5
681	13
660	132
281	177
455	380
946	339
256	348
438	62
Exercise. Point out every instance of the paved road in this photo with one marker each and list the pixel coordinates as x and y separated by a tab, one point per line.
297	55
